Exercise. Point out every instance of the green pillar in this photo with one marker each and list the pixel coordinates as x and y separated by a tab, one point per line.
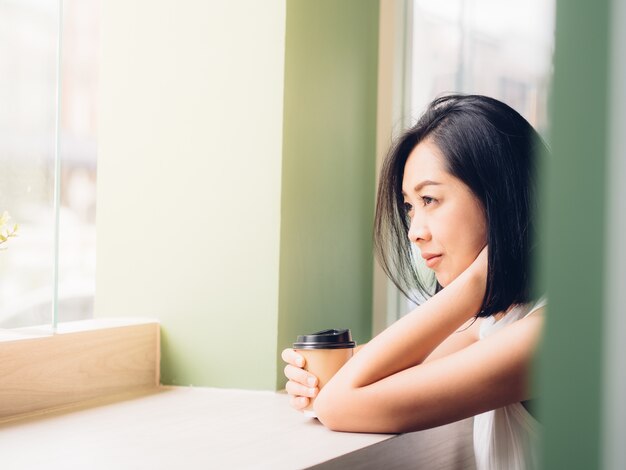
329	153
571	356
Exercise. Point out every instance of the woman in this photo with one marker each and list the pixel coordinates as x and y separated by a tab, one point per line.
460	185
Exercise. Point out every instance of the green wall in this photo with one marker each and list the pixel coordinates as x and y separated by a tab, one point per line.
571	358
328	168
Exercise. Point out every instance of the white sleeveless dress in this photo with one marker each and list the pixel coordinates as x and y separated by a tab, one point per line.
507	438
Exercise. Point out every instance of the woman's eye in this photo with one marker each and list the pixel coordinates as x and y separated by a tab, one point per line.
427	200
408	207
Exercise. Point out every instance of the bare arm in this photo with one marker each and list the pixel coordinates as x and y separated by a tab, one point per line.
411	339
390	387
302	385
485	375
460	339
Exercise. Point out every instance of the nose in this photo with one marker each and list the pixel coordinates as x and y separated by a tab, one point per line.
418	230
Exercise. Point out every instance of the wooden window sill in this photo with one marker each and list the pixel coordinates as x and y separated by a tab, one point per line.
81	361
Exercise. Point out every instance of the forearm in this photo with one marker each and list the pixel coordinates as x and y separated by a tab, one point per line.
411	339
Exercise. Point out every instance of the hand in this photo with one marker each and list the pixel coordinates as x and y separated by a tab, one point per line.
474	278
301	385
480	265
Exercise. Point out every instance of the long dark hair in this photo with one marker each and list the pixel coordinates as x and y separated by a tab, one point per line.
491	148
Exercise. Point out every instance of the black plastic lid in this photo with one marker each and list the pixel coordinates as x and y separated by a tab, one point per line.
325	339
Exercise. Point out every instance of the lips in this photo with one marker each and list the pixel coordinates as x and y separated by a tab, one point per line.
431	259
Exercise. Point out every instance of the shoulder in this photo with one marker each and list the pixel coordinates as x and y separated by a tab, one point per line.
538	307
537	312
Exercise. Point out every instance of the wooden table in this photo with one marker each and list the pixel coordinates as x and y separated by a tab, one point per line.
185	427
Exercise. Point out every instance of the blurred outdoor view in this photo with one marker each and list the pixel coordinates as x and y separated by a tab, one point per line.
29	64
488	47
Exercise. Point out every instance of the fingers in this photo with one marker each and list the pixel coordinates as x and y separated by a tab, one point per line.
291	357
298	390
294	371
300	376
480	265
300	396
302	386
299	402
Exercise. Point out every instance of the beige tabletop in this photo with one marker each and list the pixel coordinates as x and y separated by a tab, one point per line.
177	427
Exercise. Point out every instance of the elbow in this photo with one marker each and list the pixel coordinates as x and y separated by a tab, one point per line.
331	412
351	410
327	412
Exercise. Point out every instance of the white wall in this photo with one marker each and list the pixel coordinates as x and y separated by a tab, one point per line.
189	172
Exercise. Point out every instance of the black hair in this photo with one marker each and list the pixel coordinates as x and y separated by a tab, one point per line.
491	148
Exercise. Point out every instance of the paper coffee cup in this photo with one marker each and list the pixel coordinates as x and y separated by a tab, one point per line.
325	353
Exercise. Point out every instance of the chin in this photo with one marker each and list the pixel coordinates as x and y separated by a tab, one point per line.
444	279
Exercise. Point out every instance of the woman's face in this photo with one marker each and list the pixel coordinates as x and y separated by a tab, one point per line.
447	221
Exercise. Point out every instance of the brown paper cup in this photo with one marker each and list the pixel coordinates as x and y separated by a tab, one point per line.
325	353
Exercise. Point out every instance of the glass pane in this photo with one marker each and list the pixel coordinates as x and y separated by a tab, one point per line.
499	49
77	231
28	66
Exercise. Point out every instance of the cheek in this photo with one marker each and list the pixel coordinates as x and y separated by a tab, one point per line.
462	242
474	241
462	233
472	228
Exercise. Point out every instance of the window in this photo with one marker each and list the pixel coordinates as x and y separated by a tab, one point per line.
499	49
48	154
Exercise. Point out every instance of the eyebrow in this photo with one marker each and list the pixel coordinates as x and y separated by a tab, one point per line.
421	185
